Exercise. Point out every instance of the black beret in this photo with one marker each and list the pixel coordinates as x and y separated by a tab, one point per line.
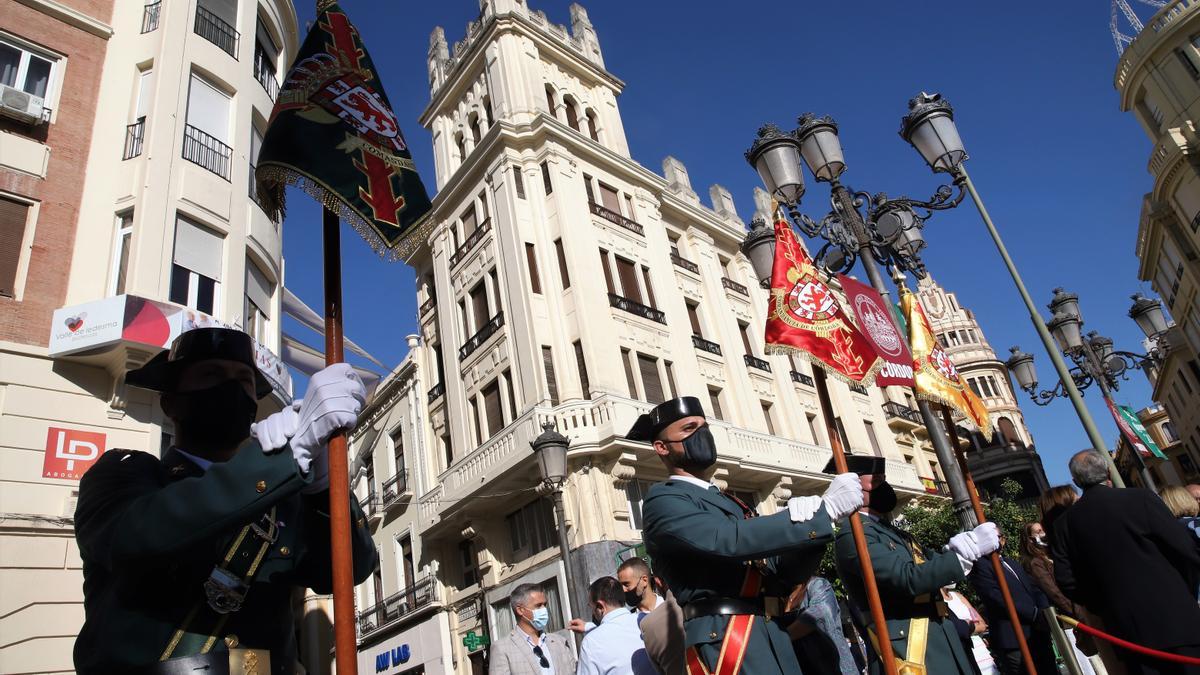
863	465
648	425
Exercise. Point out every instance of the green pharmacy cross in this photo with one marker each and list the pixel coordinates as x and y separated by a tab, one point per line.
475	642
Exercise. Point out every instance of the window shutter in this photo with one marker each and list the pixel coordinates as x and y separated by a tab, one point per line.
469	222
13	216
259	289
745	331
766	408
535	280
208	109
714	397
608	278
694	317
551	380
629	373
491	407
629	282
562	264
480	304
649	288
198	248
581	364
610	199
651	382
512	396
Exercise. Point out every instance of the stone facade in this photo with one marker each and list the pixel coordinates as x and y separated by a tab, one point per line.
1179	467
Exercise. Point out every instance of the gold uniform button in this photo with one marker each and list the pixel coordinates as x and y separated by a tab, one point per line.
261	486
231	641
283	550
812	534
712	636
360	522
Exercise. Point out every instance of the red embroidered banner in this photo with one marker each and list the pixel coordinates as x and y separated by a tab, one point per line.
875	322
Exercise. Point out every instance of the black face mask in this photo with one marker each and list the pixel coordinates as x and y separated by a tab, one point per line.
882	499
699	449
217	417
632	597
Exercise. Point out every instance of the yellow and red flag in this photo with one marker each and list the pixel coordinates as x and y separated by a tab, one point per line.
805	318
936	377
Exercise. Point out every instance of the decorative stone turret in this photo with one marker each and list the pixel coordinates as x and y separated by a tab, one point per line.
678	180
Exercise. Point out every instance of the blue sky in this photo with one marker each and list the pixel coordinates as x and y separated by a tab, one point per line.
1061	169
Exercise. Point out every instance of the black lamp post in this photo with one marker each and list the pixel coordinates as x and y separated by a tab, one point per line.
1095	361
875	228
550	448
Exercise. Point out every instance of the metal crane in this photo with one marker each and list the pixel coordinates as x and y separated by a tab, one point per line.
1121	40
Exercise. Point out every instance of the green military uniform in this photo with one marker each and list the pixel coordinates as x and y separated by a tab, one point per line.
702	544
151	531
909	590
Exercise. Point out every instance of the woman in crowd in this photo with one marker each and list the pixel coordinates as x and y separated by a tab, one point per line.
1035	558
1184	507
973	642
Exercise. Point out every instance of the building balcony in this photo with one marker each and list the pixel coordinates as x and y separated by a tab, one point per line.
489	329
134	135
734	286
706	345
396	491
265	74
637	308
935	487
217	31
436	391
800	378
471	242
396	607
616	219
756	363
686	264
206	151
371	508
427	306
902	415
150	15
858	389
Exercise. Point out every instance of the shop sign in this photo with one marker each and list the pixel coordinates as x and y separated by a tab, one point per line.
70	452
392	658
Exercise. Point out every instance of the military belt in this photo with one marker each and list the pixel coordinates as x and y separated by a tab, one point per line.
237	661
770	607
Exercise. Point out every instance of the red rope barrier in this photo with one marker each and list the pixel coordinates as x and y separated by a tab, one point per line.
1166	656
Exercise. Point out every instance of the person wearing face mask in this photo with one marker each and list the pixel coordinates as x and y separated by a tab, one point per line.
1035	558
730	570
638	586
529	649
615	646
191	562
909	577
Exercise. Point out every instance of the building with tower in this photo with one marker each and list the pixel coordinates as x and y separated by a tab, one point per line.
1008	450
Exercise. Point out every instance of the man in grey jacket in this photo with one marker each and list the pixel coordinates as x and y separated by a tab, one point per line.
529	649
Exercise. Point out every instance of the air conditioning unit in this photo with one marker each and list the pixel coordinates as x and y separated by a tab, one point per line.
22	106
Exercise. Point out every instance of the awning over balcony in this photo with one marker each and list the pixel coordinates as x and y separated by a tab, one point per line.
125	331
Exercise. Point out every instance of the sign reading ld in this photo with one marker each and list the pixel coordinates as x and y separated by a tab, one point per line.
70	452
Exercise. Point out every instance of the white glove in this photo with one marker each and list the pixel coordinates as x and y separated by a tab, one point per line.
973	545
844	495
276	430
803	508
335	397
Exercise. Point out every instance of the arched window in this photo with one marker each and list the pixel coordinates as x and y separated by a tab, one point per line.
1168	432
591	122
473	122
1008	431
572	112
551	106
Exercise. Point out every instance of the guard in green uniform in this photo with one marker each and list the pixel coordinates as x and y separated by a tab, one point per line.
730	570
191	563
909	577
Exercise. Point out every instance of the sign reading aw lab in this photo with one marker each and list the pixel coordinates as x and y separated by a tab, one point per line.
392	658
70	452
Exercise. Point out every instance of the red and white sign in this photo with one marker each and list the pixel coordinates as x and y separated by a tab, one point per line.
71	452
875	322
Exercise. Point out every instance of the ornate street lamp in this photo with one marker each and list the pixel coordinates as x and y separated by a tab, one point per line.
1149	316
550	448
1021	365
759	247
820	147
1066	329
775	155
929	127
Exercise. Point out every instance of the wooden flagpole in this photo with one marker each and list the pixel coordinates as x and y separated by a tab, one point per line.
884	642
342	557
997	567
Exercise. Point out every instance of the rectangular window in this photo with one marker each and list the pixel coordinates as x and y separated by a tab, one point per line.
629	208
479	304
469	222
479	432
766	409
14	216
145	92
651	383
587	187
744	329
259	291
208	109
547	184
714	399
812	428
635	493
512	396
498	306
610	198
266	54
196	273
954	340
121	255
27	70
397	438
649	288
874	441
448	450
518	182
987	388
627	271
463	317
608	278
581	365
1188	57
469	562
625	356
551	380
562	264
694	317
492	409
535	279
674	393
841	429
531	529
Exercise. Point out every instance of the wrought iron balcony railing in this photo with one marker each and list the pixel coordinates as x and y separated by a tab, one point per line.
207	151
466	247
735	286
934	486
428	305
264	72
369	503
706	345
395	487
686	264
858	388
900	411
437	391
616	218
801	378
215	29
481	336
150	14
637	308
755	362
134	135
396	606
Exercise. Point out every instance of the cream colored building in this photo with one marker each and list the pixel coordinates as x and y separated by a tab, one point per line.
1157	79
1179	467
168	237
563	283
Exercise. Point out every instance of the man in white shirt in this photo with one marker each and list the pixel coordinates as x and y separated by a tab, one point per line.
610	648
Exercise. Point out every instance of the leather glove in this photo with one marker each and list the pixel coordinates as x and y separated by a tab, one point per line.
973	545
844	495
335	397
276	430
803	508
